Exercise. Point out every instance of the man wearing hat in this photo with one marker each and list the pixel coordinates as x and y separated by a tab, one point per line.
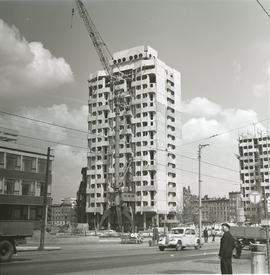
227	245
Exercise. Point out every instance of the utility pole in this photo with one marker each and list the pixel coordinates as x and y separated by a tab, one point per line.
44	207
200	191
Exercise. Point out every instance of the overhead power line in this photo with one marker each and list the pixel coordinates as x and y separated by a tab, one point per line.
102	135
44	122
84	148
263	8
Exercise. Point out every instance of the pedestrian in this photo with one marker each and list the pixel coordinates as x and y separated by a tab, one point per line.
155	235
213	234
227	245
205	235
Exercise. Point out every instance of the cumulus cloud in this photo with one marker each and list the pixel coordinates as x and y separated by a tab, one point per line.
221	132
59	114
27	67
68	160
67	166
200	107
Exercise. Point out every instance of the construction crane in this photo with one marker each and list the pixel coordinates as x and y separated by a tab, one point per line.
116	203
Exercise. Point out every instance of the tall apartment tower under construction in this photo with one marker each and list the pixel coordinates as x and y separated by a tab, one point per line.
150	137
254	158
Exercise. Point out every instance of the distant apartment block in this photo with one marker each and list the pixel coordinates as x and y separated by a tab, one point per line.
221	209
150	137
22	177
254	160
214	210
63	213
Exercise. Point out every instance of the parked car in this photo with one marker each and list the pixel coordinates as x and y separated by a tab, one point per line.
179	238
108	233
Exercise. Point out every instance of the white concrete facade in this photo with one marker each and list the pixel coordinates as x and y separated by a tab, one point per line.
150	136
254	169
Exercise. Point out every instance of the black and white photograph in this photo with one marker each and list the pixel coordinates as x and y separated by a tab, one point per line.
134	137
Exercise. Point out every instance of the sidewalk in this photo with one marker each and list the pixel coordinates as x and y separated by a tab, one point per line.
35	248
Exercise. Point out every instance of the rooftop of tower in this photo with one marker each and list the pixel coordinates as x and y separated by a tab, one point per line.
139	52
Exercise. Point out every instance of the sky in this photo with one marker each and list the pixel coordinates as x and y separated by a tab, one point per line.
221	48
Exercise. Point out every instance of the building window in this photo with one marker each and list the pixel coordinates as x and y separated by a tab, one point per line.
29	164
2	159
13	162
42	166
28	188
10	187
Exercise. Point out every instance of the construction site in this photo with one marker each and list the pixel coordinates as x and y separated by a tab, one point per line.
134	132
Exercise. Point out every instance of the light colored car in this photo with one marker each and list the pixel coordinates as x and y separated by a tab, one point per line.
179	238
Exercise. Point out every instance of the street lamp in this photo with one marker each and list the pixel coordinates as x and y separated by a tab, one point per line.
200	191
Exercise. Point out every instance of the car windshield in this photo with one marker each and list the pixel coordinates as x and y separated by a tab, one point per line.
177	231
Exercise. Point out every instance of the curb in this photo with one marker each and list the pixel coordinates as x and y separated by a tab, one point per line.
35	248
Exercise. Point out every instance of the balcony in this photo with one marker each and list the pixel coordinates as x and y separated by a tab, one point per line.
148	188
92	100
104	107
111	170
100	200
136	120
149	167
150	109
111	133
171	170
94	210
148	208
136	178
128	197
172	105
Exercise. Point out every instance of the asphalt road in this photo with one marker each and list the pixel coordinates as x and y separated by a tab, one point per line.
103	258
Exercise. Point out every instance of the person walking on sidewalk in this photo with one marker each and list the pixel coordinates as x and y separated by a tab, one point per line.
213	232
205	235
227	245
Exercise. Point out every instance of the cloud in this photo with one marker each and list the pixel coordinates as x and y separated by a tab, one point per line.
200	107
27	67
67	166
59	114
68	160
221	132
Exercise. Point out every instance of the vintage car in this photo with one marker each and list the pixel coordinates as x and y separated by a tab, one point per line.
179	238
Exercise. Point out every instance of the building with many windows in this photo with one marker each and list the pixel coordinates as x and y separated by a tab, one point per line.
254	160
150	137
63	214
22	177
214	210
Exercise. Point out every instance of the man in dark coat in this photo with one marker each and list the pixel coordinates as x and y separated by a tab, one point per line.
205	235
227	245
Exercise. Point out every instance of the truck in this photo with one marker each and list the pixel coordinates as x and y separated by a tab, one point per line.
247	237
12	233
179	238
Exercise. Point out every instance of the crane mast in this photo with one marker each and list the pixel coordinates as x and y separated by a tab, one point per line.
103	52
106	60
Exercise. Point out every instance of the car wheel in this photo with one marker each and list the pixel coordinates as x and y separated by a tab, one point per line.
179	246
161	248
6	251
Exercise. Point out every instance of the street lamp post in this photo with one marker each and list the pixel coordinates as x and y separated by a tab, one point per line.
200	191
